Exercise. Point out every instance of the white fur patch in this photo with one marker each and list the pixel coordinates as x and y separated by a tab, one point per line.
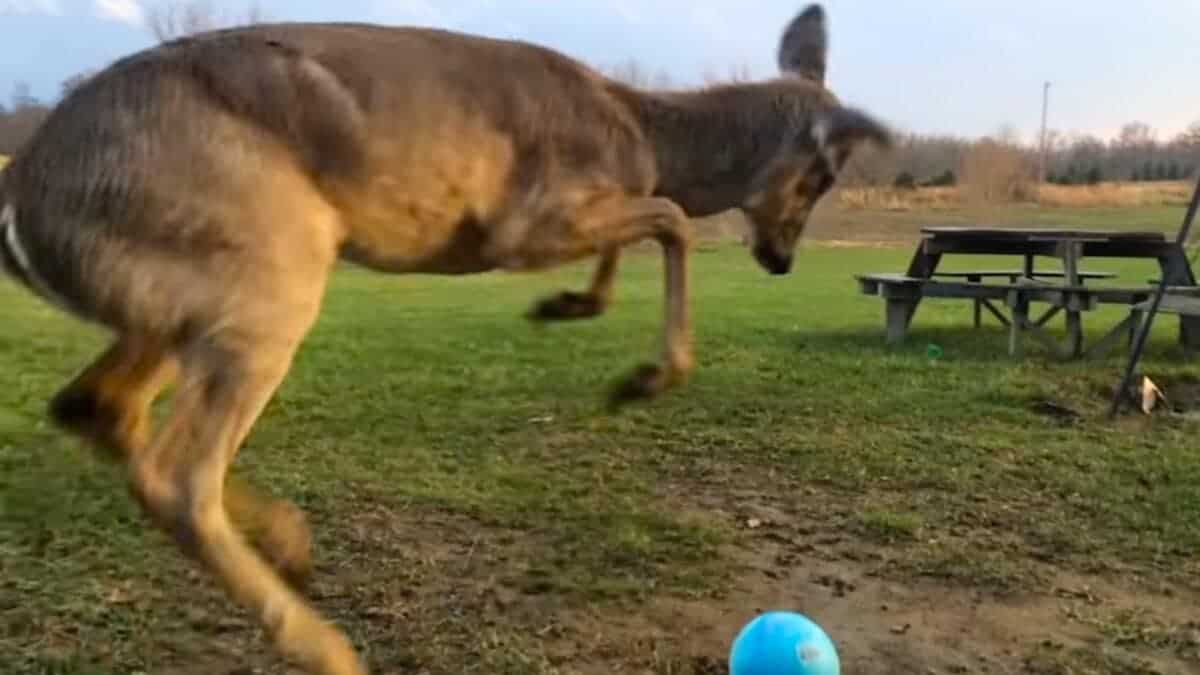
820	133
8	219
8	222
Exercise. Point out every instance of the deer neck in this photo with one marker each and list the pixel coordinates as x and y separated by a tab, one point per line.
711	144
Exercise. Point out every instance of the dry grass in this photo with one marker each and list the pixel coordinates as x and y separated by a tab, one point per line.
894	199
1109	194
1160	193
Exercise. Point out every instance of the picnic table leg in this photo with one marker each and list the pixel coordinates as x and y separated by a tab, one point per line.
1177	272
1074	334
1126	328
898	313
922	266
1020	313
1189	332
1071	252
975	278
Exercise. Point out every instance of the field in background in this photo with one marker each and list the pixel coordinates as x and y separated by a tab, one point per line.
887	215
477	511
1106	194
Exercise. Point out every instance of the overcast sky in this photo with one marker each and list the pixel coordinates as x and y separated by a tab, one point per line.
945	66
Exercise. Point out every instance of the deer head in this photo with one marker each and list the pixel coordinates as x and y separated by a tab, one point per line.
815	147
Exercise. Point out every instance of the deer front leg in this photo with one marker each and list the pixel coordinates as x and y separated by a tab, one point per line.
650	380
570	305
603	227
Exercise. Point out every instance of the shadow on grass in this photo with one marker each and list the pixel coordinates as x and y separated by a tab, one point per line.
987	344
1034	385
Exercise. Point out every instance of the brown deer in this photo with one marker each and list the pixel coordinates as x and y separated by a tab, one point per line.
194	198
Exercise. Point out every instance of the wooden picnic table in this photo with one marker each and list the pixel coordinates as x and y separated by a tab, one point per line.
1070	296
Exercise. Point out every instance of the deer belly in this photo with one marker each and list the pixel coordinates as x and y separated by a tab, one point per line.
419	243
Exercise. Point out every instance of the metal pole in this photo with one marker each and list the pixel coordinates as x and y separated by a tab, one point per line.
1144	330
1042	158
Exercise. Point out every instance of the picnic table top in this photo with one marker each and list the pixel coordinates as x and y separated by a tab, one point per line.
1027	233
1021	273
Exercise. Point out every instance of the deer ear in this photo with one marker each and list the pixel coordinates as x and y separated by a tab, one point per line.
804	44
836	132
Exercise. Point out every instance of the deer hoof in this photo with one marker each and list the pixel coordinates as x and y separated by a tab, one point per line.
566	306
286	544
647	381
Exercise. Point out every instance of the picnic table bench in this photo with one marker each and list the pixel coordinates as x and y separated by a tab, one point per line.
978	276
1064	291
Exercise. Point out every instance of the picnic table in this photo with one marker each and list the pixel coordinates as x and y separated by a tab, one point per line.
1064	291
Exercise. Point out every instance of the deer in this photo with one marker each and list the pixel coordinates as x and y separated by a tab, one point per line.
194	198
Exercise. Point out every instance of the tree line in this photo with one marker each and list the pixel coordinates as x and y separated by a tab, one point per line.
1133	154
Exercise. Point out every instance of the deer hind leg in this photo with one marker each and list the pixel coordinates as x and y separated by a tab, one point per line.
108	404
570	305
227	379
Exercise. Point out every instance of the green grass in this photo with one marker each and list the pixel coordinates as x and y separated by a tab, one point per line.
444	448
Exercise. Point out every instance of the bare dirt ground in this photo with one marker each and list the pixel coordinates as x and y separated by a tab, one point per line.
429	593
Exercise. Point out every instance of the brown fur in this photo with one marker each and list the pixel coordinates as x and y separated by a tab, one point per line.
195	197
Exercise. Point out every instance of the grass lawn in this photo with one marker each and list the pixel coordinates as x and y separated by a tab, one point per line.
477	510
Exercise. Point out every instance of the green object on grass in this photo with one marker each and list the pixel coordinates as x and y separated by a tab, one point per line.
934	351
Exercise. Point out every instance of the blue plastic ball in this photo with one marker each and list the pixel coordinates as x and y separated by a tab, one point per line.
783	643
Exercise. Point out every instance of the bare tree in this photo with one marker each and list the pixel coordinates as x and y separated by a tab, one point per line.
633	73
21	120
1190	137
171	19
737	73
998	170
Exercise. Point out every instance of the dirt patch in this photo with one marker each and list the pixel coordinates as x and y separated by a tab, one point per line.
922	626
432	593
1056	411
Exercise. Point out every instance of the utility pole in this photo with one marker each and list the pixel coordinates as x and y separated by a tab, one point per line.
1042	153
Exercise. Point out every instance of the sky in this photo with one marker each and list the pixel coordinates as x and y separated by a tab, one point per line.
963	67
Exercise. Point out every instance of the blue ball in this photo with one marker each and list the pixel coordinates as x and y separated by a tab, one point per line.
783	643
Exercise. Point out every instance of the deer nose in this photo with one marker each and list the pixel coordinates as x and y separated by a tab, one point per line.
772	261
